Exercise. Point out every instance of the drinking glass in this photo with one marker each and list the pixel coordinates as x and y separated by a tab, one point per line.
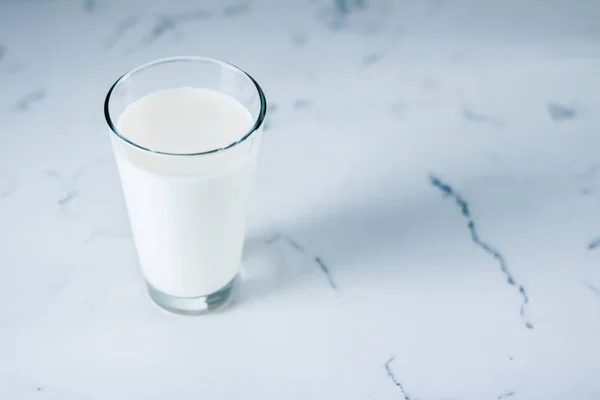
187	210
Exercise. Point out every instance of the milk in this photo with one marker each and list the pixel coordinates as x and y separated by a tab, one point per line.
187	213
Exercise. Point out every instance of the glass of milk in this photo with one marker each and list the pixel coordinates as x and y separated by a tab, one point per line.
186	133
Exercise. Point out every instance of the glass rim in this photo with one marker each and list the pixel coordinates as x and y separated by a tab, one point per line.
257	123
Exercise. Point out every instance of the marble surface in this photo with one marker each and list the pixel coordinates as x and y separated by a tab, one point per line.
425	225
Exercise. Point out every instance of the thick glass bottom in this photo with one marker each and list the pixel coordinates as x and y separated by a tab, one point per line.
195	305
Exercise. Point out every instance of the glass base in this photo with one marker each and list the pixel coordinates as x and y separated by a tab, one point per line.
195	305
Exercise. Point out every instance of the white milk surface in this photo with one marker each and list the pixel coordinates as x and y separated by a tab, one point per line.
187	213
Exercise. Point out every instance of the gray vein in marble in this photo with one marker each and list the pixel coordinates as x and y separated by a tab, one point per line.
27	101
301	104
166	23
65	200
371	59
294	245
507	394
163	25
52	173
273	239
390	374
55	175
448	191
346	6
360	4
472	116
398	109
335	17
234	10
593	289
121	29
342	6
89	5
299	39
593	244
560	112
297	247
70	196
326	271
70	186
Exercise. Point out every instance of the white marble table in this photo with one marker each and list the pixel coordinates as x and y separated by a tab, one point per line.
426	219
